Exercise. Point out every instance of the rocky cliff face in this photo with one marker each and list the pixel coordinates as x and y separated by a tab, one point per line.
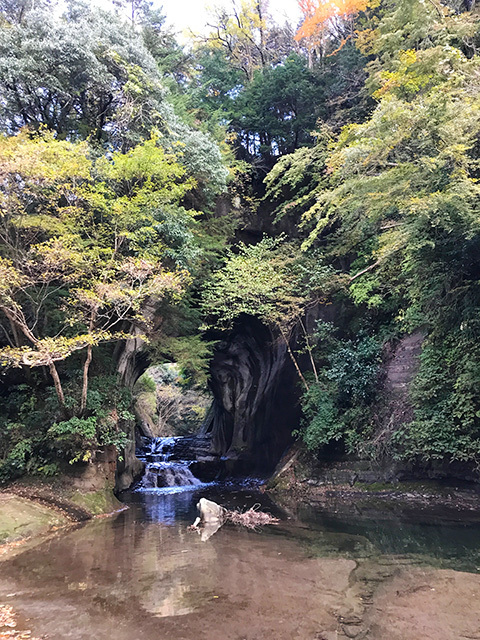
255	408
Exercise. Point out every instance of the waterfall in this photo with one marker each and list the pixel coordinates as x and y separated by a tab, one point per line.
163	468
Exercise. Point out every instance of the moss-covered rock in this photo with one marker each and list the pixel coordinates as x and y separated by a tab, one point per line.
97	502
21	518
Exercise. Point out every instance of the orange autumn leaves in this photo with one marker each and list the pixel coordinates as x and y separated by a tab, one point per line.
318	15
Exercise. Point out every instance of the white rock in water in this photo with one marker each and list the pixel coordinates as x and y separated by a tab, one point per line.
209	512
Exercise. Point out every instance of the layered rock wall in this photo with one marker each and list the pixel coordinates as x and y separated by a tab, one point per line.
255	390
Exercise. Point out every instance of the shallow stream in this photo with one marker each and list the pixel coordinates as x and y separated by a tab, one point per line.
321	574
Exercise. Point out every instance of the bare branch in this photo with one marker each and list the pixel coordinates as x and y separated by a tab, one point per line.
360	273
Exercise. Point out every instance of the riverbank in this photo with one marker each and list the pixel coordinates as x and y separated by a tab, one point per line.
33	510
451	501
300	479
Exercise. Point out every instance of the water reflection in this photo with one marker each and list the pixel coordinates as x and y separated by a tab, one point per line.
168	506
142	574
207	530
446	539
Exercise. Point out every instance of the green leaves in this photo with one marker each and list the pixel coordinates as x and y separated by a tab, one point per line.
336	408
392	203
81	74
255	281
86	261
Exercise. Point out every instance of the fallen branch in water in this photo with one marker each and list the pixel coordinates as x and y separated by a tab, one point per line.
252	518
213	516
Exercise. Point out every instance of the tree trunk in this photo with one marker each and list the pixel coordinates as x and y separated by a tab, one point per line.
309	349
58	387
86	366
294	360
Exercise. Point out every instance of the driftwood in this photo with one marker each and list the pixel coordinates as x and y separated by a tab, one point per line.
252	518
213	516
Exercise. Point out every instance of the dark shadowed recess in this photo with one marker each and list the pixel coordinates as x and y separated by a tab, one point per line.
255	390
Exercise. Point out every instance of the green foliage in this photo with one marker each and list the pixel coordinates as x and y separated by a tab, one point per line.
74	437
337	407
253	79
83	74
446	425
276	111
145	384
36	440
107	204
322	424
85	248
392	203
192	353
77	439
354	369
255	281
293	182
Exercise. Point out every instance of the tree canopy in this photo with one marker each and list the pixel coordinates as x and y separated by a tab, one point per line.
159	194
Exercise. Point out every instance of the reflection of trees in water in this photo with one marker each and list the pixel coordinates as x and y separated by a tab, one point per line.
172	563
445	544
136	563
167	507
135	570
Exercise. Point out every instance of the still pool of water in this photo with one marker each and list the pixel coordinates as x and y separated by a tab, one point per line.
321	574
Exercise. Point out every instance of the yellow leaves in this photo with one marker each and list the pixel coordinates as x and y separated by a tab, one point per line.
408	57
169	282
366	40
10	280
244	22
146	175
241	30
55	258
123	291
8	622
407	78
43	157
80	225
142	178
146	161
49	350
138	268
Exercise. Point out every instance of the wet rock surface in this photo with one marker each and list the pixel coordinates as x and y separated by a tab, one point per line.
177	461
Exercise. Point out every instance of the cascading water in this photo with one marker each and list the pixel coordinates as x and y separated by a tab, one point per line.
161	471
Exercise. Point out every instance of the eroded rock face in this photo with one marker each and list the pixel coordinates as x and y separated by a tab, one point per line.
255	392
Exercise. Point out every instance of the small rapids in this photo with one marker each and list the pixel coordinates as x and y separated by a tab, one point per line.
168	474
163	469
